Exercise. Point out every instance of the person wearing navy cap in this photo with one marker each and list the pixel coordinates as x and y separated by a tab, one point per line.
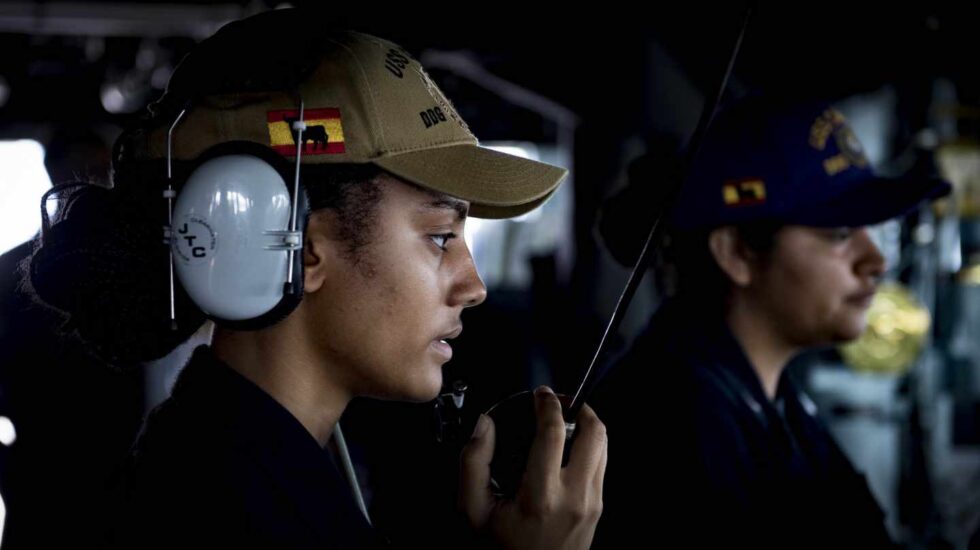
766	254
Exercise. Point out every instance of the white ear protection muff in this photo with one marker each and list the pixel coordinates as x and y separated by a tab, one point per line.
231	236
236	234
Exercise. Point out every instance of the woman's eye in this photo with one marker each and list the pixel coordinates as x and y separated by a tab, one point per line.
840	233
442	239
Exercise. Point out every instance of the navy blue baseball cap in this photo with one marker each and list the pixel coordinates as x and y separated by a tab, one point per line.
797	164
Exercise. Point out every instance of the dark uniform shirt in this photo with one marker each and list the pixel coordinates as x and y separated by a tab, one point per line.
221	464
699	454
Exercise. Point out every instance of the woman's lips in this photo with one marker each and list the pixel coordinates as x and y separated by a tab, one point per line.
862	299
442	348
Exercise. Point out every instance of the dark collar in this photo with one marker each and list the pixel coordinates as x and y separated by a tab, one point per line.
255	422
707	339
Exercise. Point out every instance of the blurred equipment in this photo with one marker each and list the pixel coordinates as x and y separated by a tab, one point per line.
897	327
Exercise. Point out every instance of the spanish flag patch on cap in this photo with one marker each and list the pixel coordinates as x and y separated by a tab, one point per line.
324	134
744	193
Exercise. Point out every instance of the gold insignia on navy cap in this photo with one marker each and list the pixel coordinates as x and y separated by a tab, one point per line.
831	123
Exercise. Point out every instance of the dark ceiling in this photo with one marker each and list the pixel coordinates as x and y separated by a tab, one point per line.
58	55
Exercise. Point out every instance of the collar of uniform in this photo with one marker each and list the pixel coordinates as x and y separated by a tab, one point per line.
719	347
240	406
255	422
711	341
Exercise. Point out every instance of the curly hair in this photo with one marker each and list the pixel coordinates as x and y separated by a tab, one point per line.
101	265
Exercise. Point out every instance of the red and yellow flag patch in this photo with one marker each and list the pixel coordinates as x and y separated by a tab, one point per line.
324	134
744	192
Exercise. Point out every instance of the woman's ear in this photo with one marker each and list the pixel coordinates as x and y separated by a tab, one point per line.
731	255
319	250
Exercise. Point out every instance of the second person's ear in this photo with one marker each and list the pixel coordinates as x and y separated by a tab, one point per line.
731	255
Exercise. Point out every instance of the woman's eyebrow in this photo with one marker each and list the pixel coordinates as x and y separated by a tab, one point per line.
445	202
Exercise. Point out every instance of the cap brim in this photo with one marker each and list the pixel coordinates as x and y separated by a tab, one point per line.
874	201
497	185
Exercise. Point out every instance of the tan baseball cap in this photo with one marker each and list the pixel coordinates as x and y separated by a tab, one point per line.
365	101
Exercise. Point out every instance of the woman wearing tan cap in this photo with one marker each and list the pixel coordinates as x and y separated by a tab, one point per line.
312	186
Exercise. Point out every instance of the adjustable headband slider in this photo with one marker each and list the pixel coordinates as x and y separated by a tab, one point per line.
288	240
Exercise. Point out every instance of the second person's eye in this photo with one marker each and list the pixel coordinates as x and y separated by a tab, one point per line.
839	233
